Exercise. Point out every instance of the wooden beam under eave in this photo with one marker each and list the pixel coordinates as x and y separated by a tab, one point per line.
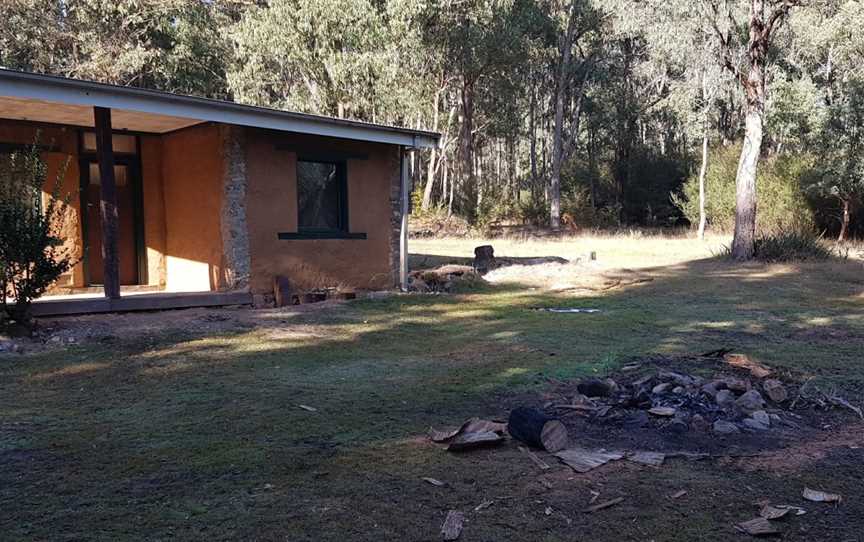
107	202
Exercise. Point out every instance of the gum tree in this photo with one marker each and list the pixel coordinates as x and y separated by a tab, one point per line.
749	65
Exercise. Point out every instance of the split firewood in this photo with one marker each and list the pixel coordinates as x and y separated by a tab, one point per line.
443	435
758	527
478	425
603	505
469	441
653	459
839	401
472	425
821	496
452	527
533	457
777	511
583	461
537	429
483	505
663	411
743	361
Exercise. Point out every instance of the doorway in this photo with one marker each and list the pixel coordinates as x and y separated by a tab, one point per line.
127	177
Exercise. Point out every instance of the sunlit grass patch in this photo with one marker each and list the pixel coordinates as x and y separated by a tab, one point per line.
198	434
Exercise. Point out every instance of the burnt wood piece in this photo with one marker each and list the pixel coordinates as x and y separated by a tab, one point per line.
314	297
282	291
484	259
107	203
537	429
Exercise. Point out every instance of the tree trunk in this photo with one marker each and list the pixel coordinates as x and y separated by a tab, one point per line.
430	175
443	179
563	79
467	138
743	244
532	128
592	167
703	219
557	158
844	221
452	192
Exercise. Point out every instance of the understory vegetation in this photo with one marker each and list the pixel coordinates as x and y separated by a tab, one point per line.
784	201
579	114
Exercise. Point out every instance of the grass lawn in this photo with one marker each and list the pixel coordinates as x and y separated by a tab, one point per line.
184	434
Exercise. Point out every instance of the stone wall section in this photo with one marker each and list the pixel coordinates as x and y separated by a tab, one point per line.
235	235
396	212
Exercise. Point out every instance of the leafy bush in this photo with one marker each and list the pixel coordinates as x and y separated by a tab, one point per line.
578	207
437	223
783	203
32	255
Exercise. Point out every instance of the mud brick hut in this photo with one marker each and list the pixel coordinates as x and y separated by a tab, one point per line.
215	201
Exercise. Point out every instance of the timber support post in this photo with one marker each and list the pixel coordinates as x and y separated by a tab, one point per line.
107	202
405	194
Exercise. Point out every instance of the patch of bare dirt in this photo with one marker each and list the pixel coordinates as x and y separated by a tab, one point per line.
802	453
63	332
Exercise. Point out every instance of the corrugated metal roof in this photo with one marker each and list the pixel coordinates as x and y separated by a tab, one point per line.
49	89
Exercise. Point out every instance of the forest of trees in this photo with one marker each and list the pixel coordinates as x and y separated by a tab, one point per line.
601	112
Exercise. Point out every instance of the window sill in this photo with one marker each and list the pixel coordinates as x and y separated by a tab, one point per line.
304	235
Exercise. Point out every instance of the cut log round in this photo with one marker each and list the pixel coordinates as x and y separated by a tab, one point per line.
537	429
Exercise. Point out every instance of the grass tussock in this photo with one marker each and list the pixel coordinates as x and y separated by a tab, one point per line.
787	247
791	246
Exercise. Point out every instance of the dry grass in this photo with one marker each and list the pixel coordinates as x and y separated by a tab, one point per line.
633	251
190	429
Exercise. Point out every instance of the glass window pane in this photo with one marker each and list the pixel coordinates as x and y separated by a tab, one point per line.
319	196
121	175
125	144
120	143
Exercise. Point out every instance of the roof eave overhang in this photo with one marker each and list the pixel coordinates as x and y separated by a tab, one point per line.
74	92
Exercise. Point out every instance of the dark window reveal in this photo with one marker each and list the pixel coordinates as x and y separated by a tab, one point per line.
321	197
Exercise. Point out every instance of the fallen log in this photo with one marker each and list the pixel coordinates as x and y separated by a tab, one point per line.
537	429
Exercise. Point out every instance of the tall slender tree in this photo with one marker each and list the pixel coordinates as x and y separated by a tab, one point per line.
765	18
574	66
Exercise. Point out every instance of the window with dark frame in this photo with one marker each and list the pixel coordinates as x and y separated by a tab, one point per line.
322	197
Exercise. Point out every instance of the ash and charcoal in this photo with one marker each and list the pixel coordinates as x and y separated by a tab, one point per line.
739	397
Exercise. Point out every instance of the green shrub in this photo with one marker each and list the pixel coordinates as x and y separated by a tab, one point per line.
32	255
578	206
782	202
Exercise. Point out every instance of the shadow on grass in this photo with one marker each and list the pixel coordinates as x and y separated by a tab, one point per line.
135	429
433	261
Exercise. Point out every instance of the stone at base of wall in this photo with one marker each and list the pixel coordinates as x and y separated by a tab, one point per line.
235	236
263	301
395	214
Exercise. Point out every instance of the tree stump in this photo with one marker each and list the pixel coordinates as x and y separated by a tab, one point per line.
537	429
282	291
484	259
